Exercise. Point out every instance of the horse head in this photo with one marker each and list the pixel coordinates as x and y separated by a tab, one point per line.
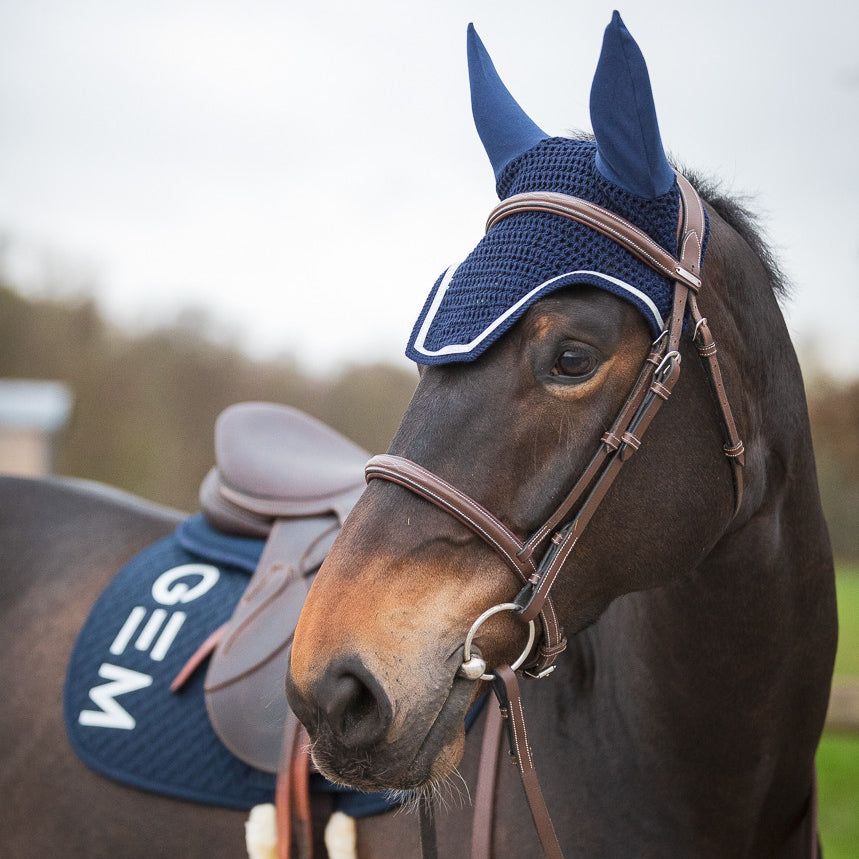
527	352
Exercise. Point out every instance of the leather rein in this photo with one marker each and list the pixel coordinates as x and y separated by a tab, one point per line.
556	538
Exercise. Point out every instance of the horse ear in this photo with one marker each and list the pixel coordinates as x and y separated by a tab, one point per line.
505	129
623	116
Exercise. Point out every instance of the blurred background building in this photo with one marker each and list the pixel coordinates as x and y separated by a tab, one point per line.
33	413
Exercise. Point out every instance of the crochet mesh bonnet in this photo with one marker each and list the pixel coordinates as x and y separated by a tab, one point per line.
530	254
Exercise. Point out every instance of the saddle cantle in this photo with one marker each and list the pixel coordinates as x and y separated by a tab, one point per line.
283	475
275	462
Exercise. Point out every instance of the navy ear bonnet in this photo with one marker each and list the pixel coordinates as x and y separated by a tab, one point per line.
530	254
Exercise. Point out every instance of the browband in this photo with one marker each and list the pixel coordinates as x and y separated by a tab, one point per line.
607	222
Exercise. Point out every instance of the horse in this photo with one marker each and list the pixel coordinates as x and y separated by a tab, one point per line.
698	598
682	717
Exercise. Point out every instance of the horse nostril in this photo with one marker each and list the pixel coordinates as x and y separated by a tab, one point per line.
351	700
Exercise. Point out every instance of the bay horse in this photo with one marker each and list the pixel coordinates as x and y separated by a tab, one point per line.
698	603
683	716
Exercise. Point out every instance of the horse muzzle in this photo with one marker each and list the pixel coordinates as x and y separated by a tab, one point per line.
364	738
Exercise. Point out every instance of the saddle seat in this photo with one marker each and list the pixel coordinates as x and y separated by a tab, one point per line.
275	462
286	477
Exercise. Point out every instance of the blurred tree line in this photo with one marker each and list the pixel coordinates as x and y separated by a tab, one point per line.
145	405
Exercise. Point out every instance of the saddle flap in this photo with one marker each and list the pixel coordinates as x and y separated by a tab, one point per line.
244	683
276	461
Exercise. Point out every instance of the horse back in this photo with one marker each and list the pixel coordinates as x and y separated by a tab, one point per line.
60	544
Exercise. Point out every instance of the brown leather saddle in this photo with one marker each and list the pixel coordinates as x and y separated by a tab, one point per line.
285	476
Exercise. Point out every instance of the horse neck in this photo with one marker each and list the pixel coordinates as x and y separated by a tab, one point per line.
753	620
766	582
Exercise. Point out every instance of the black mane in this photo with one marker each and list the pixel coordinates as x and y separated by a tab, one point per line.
745	223
735	212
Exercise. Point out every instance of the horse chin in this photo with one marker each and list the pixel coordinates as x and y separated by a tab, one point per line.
419	757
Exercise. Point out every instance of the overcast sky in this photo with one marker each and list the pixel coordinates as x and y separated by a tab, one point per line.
305	170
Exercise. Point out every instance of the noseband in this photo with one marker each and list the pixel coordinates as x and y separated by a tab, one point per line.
553	541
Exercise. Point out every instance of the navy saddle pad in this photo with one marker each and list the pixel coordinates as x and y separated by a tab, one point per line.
121	717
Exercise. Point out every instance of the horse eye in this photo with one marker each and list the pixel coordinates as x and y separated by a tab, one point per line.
574	364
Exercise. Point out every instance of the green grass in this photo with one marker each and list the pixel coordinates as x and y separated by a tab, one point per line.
838	755
838	785
847	660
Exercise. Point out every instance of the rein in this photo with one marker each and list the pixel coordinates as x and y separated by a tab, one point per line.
558	535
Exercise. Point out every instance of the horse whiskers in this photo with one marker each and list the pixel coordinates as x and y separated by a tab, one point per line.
354	773
447	792
444	793
458	787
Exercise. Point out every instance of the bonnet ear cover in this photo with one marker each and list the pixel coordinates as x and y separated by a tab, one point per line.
623	116
531	254
505	130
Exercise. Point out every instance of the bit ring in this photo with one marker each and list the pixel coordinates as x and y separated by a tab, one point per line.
472	665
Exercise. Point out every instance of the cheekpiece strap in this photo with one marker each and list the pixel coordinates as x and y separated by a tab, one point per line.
656	380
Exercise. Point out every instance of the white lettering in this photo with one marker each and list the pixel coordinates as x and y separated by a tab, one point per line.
127	632
168	590
148	633
112	714
168	636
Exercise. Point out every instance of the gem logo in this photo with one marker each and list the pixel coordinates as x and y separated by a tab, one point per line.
152	633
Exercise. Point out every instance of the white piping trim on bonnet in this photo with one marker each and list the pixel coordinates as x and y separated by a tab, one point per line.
465	348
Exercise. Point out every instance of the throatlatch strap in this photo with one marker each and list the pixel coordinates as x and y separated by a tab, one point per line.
733	447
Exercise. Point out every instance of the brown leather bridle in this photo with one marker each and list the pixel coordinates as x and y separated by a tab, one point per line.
555	539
